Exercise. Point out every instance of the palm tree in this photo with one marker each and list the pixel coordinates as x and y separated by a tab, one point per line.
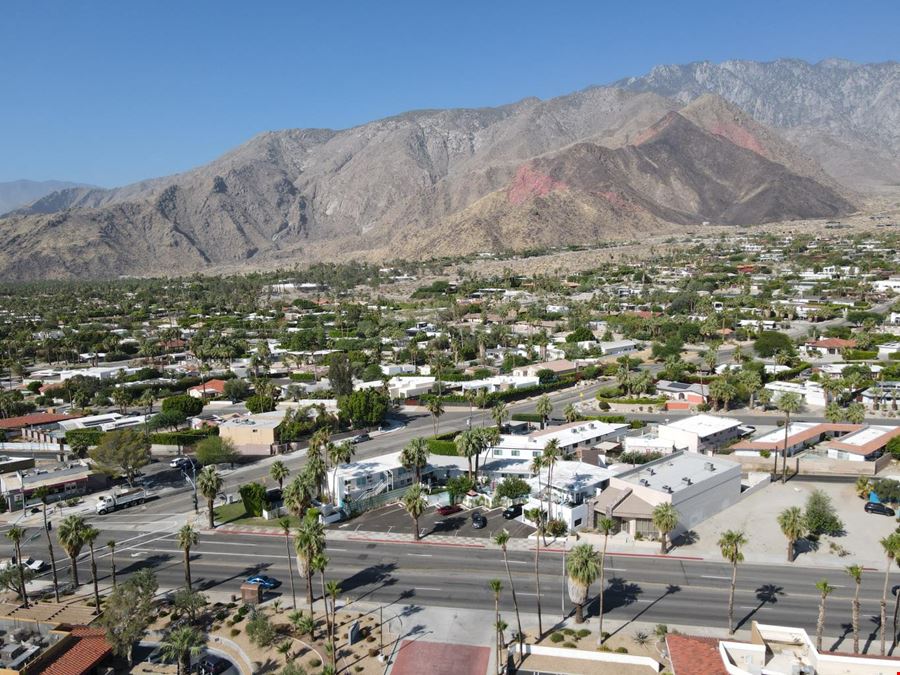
730	544
415	456
309	541
285	524
209	484
187	538
435	406
665	519
111	545
891	546
502	539
544	408
71	537
339	453
788	403
570	413
824	589
90	535
537	516
467	446
793	526
278	472
855	573
582	569
496	587
499	413
182	644
415	504
834	413
606	526
298	494
856	413
42	493
334	590
319	563
15	535
549	458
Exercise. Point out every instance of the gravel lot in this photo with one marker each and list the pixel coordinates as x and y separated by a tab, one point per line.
756	516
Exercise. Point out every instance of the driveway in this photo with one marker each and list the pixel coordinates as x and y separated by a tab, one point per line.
395	519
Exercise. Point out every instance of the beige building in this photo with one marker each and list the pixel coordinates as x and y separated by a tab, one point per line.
253	434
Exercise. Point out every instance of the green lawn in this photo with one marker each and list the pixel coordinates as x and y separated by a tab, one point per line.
235	514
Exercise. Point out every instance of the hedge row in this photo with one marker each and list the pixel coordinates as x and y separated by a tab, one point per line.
187	437
790	374
439	447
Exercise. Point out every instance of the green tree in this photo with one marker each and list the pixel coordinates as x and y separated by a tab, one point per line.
123	452
500	414
182	644
571	414
793	526
89	536
215	450
731	544
189	604
258	403
278	472
789	403
364	408
309	541
414	456
209	484
340	374
512	487
544	408
582	568
128	612
15	535
665	519
236	389
183	404
856	413
549	457
825	589
71	538
435	407
260	629
769	342
415	504
820	515
834	413
187	538
855	573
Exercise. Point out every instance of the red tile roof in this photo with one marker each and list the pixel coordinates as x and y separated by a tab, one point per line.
86	648
695	655
833	343
210	386
34	419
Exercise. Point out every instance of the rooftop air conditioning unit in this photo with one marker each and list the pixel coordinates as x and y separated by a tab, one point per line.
644	482
686	480
668	489
652	472
709	466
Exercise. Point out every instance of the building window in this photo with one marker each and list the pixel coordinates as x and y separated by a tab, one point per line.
513	453
576	522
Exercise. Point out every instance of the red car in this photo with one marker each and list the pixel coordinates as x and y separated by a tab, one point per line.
448	510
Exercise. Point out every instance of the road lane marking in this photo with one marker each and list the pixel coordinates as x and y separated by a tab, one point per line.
422	555
709	576
428	588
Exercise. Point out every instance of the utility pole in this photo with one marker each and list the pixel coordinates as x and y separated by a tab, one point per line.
562	591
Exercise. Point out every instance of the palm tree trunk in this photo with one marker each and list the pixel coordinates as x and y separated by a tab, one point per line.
23	593
787	423
896	609
309	595
537	581
416	533
96	584
74	562
662	542
52	557
187	568
112	564
212	520
325	603
731	599
855	620
600	592
497	627
287	547
820	624
512	588
790	551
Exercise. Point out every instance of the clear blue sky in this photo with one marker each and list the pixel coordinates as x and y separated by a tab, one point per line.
113	91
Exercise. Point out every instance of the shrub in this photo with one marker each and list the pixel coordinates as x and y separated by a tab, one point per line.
254	497
765	454
821	516
315	663
621	650
557	637
583	633
234	632
184	404
569	645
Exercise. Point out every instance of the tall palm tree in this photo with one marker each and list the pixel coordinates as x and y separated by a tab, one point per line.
15	535
309	541
855	573
298	494
665	519
339	453
334	590
570	413
789	403
496	587
415	504
415	456
549	457
435	406
43	494
187	538
730	544
606	526
793	526
891	546
209	484
502	539
544	408
71	537
499	413
537	516
111	545
825	590
90	537
278	472
467	446
285	524
319	563
182	644
582	569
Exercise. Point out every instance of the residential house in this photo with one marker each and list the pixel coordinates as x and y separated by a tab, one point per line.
827	347
567	495
800	435
811	393
682	394
557	366
253	434
570	437
210	389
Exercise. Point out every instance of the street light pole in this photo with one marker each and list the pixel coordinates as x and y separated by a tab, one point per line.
562	591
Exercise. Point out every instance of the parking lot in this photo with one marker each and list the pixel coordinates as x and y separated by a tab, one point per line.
395	519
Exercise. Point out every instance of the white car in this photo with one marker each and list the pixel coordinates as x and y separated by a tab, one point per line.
35	565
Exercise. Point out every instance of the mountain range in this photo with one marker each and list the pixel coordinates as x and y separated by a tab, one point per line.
18	193
735	143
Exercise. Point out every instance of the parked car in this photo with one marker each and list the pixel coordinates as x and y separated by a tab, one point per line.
513	511
35	565
449	509
359	438
879	508
264	581
212	665
478	521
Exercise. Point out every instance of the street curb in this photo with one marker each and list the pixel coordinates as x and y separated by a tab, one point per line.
413	543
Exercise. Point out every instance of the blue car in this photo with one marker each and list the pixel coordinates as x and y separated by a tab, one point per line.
266	582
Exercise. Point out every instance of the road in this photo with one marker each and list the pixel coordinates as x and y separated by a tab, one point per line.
642	588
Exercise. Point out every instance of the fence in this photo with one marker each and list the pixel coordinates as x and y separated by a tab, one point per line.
375	501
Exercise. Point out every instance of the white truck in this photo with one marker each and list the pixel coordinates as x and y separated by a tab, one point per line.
120	499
